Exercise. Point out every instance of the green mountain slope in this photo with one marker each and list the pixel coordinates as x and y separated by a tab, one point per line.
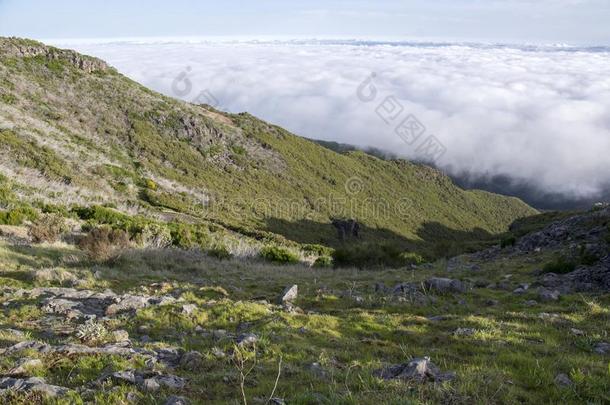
75	131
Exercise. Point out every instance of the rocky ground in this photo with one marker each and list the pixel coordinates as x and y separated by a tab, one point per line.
170	327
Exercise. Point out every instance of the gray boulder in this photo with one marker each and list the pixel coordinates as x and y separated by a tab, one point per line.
289	295
445	285
546	294
418	370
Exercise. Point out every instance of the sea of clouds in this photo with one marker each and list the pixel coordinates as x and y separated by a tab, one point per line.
538	115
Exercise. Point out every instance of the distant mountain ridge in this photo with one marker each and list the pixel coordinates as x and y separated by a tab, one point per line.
75	131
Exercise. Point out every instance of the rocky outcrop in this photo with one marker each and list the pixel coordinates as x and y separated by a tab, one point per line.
594	278
22	48
87	304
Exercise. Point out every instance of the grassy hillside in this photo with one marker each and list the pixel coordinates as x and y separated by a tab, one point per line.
75	131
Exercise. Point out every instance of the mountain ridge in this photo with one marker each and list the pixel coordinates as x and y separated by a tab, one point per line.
75	131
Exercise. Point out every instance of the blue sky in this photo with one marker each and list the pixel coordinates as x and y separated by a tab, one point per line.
531	21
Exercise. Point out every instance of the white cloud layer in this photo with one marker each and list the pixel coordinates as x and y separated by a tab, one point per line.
540	115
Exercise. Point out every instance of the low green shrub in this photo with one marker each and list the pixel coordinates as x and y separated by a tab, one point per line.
412	258
509	241
317	250
17	216
278	254
101	215
182	236
323	261
374	255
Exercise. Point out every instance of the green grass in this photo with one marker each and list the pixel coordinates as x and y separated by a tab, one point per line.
514	351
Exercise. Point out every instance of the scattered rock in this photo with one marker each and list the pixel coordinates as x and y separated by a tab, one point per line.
247	339
530	303
151	385
548	295
563	380
175	400
464	332
191	361
492	303
189	309
445	285
120	336
32	384
602	348
150	381
24	367
577	332
419	369
289	295
317	369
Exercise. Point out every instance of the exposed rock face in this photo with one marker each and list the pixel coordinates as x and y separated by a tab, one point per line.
576	228
419	370
74	303
28	48
346	228
594	278
170	357
32	384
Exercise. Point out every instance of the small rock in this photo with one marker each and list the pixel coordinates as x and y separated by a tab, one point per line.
464	332
563	380
492	303
602	348
120	336
219	354
548	295
175	400
290	294
445	285
24	367
420	370
219	334
189	309
530	303
191	361
577	332
316	369
151	385
519	291
247	339
277	401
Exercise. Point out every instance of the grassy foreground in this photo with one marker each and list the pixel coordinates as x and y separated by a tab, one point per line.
329	347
